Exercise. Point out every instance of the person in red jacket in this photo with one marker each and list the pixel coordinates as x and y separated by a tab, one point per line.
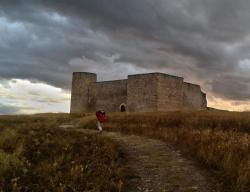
101	118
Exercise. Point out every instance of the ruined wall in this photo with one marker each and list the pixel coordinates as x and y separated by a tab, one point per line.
142	92
80	100
111	94
170	92
193	97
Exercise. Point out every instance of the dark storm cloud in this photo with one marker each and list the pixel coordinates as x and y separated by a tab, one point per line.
199	40
232	87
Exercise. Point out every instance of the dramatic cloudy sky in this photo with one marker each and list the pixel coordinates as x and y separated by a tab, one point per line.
43	41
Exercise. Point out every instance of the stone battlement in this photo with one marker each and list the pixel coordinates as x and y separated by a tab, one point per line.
140	92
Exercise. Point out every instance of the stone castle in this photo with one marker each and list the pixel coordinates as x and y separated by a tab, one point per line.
139	93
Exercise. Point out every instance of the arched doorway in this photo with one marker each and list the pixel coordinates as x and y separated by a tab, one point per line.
123	107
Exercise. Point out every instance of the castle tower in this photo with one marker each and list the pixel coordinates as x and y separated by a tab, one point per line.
81	98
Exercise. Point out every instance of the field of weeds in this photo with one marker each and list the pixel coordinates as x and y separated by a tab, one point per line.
37	156
218	140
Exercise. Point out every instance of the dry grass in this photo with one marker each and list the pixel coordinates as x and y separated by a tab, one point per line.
218	140
36	156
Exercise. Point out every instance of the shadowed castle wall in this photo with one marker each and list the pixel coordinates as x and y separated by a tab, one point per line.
169	93
80	100
193	97
142	92
111	94
138	93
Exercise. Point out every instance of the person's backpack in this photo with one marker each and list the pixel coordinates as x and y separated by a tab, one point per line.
101	116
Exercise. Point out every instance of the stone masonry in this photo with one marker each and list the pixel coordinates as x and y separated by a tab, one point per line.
139	93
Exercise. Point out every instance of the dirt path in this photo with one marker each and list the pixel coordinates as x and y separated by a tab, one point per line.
158	167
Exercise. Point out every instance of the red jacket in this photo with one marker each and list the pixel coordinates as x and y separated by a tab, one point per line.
101	116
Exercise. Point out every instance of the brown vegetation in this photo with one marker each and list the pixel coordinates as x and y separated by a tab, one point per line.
218	140
36	156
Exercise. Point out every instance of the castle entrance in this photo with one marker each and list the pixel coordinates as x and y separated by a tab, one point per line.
123	108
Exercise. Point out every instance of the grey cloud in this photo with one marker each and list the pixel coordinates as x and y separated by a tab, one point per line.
192	38
8	110
232	87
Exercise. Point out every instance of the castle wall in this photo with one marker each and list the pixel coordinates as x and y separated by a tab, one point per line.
193	97
170	92
139	93
80	100
111	94
142	92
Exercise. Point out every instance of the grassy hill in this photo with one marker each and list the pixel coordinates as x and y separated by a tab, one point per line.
218	140
37	156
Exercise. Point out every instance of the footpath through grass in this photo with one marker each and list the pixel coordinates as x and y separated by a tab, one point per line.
217	140
36	156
